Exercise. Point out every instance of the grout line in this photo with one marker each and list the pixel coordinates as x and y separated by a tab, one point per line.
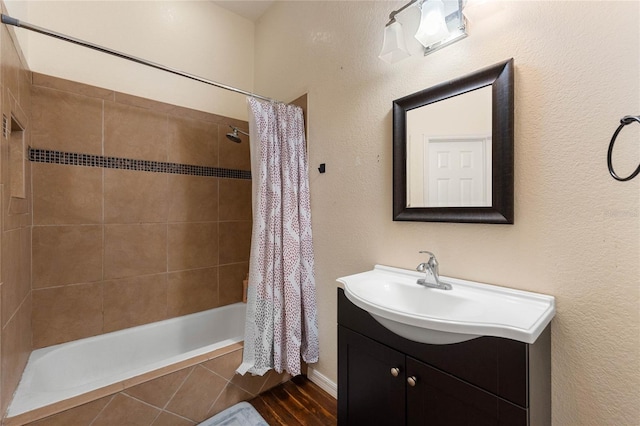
125	394
103	408
156	417
193	367
102	226
166	243
224	390
136	223
139	276
268	375
217	245
13	315
177	415
104	107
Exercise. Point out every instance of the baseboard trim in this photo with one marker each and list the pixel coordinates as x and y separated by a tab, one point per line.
323	382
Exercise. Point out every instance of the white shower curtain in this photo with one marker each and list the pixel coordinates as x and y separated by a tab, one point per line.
281	323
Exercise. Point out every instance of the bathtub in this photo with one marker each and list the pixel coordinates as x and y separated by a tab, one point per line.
69	370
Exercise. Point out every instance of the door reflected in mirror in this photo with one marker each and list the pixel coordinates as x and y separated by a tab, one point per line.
449	161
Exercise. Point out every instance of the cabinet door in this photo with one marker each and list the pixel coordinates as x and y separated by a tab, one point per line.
439	399
368	391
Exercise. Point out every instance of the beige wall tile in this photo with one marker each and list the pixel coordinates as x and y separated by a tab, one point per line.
134	301
18	206
133	132
193	114
197	394
24	81
274	379
230	286
150	104
15	350
4	145
16	259
56	83
17	100
131	250
192	291
64	195
62	314
192	245
157	392
167	419
66	121
235	239
10	65
233	155
124	410
225	365
231	395
66	255
82	415
132	196
193	142
250	383
235	199
193	198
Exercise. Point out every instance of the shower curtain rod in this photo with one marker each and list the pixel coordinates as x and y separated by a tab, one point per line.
8	20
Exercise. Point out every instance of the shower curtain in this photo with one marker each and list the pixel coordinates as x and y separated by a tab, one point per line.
281	322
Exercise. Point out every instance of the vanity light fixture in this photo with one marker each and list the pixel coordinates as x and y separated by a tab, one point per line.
440	24
394	48
476	10
433	27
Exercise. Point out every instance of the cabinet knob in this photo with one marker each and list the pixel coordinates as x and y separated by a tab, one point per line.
412	380
395	371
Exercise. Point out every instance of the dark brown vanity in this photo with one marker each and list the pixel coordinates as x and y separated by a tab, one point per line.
385	379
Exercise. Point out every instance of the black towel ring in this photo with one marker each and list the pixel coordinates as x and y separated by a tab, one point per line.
623	122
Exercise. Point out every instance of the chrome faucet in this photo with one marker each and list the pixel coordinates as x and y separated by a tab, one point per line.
430	268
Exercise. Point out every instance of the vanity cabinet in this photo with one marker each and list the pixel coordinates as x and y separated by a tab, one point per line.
385	379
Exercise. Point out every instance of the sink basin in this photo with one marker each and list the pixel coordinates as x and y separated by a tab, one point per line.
429	315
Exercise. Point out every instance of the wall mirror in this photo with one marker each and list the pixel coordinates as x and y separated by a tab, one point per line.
453	150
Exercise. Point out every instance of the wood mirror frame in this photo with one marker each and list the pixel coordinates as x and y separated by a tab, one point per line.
500	78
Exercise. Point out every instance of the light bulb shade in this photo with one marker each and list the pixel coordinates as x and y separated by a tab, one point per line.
433	27
394	48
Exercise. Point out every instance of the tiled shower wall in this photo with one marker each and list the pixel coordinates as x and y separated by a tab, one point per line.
15	235
115	247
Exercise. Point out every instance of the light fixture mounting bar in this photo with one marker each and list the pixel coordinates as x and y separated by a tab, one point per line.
392	15
457	25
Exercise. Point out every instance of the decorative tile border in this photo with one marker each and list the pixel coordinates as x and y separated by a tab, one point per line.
89	160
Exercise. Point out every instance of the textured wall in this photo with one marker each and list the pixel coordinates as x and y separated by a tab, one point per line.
196	37
576	234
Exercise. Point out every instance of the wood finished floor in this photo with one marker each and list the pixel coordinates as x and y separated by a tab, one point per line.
297	402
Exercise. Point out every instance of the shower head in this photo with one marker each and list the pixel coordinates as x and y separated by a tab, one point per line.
233	136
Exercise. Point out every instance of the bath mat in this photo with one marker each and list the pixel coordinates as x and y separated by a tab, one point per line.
241	414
